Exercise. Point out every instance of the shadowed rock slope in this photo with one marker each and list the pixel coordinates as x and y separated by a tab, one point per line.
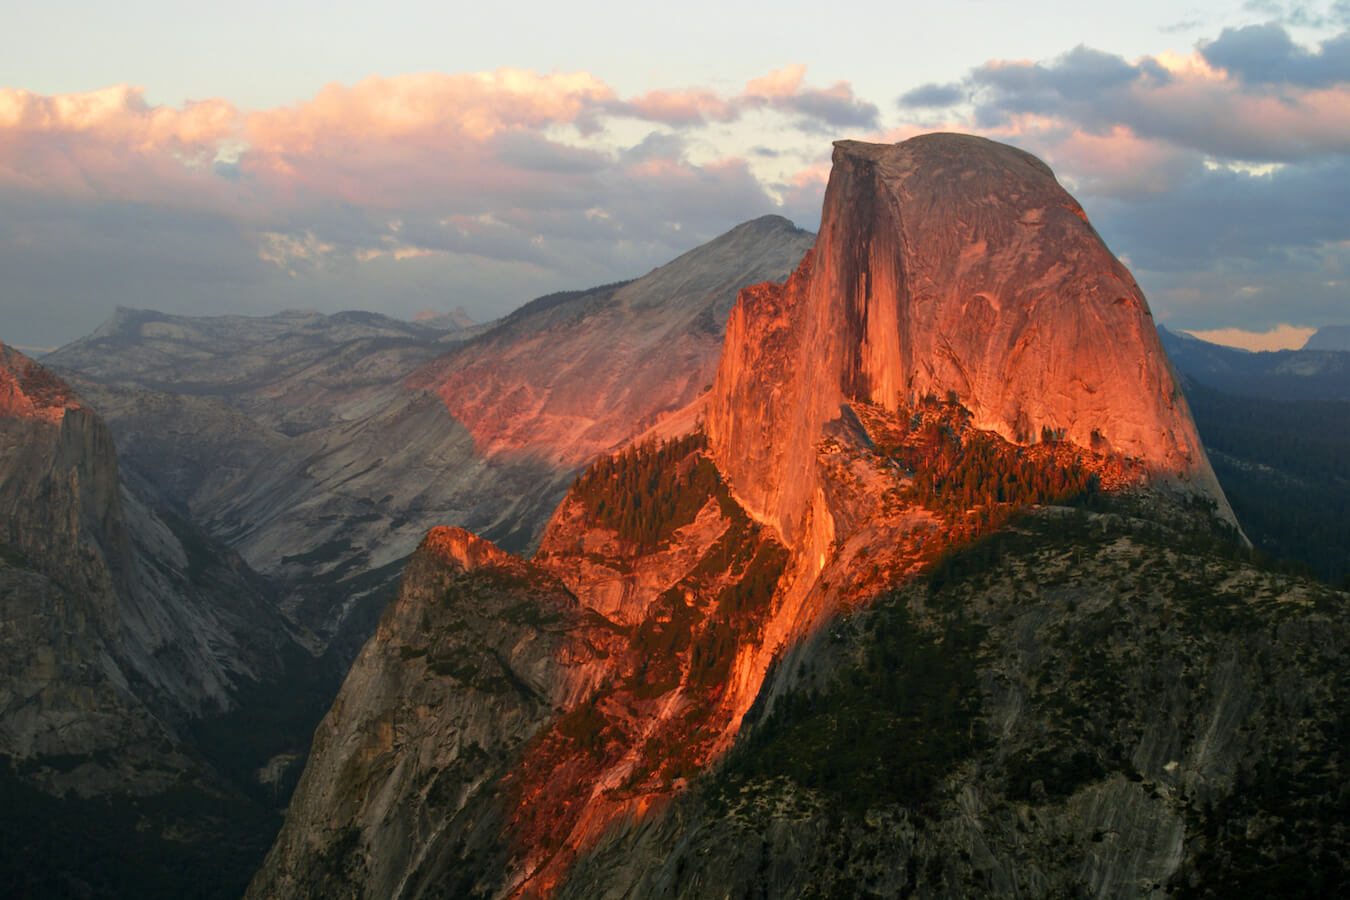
1282	375
124	631
1329	337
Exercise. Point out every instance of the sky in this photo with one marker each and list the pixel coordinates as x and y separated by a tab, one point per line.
254	157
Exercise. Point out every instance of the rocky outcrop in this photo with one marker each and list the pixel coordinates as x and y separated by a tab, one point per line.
402	795
1089	706
28	391
954	266
294	371
65	513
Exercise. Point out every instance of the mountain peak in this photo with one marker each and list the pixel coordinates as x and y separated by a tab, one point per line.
954	266
28	391
964	152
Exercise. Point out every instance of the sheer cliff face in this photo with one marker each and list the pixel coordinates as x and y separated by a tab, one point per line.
59	501
114	626
468	662
947	263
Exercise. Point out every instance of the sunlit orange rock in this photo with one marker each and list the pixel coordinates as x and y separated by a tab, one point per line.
27	391
956	266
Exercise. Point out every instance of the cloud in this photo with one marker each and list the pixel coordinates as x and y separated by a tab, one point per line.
473	106
1267	55
835	106
1281	337
1300	14
118	113
1183	100
1223	174
681	107
482	188
1271	219
933	95
782	91
1081	74
110	143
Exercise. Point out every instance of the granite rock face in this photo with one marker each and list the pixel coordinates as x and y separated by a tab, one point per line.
404	775
126	634
955	266
120	603
1133	716
849	639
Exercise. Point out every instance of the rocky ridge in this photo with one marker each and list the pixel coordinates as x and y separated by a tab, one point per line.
1307	374
566	382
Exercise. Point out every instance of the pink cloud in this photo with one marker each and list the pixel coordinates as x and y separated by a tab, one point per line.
1117	162
688	107
110	143
383	143
1176	99
779	83
472	105
1281	337
119	114
782	90
489	165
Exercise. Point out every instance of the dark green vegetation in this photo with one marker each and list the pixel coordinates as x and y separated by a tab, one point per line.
1285	466
646	492
956	467
1050	713
885	728
189	841
687	641
272	717
974	480
201	838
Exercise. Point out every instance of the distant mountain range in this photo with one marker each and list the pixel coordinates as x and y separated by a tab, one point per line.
1276	426
1329	337
1307	374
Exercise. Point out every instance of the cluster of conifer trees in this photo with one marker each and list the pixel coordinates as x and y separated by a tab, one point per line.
956	468
646	492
